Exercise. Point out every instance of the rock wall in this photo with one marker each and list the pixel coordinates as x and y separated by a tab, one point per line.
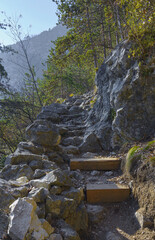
125	106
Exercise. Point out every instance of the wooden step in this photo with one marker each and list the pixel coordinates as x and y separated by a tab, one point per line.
95	163
97	193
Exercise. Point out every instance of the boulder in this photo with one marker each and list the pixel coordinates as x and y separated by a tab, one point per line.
43	133
4	221
96	213
6	198
23	158
55	237
55	177
38	194
53	112
67	231
24	223
90	144
12	172
31	147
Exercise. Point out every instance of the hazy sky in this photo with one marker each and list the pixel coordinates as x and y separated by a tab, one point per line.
40	14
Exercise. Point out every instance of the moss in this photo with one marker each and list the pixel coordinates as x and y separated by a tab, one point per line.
2	161
113	113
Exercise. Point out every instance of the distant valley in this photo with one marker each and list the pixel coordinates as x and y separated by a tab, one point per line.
38	48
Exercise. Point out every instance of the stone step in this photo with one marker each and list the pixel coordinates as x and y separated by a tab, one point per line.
74	141
95	163
98	193
74	133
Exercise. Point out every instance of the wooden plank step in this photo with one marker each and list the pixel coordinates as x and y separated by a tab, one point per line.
95	163
97	193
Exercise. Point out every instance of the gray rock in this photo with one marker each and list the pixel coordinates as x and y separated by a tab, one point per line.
39	173
125	106
55	177
36	164
24	222
10	172
21	158
112	236
56	190
54	157
71	150
95	173
49	165
96	213
109	173
76	194
53	112
40	211
143	220
6	198
67	232
75	141
55	236
20	192
31	147
44	133
90	144
4	221
38	194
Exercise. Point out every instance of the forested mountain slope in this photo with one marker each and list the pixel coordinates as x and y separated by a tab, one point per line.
37	49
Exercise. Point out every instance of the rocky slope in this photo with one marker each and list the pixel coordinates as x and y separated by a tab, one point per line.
125	106
42	199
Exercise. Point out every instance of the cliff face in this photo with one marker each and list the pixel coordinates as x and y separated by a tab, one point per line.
125	106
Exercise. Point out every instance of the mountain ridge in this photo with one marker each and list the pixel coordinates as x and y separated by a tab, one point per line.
38	48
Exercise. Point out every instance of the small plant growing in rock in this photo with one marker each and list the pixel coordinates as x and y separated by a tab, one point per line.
149	145
131	157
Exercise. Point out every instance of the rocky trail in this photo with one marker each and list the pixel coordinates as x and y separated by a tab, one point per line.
66	183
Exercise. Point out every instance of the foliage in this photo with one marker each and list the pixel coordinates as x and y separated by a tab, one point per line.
2	160
140	153
140	17
131	157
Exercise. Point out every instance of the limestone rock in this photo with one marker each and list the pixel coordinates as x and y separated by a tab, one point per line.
24	222
90	144
112	236
49	229
44	133
38	194
55	177
39	173
3	223
53	112
31	147
143	220
6	198
21	158
55	237
76	194
12	172
67	232
96	213
125	106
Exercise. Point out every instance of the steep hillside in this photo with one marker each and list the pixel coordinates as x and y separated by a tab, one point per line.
37	48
